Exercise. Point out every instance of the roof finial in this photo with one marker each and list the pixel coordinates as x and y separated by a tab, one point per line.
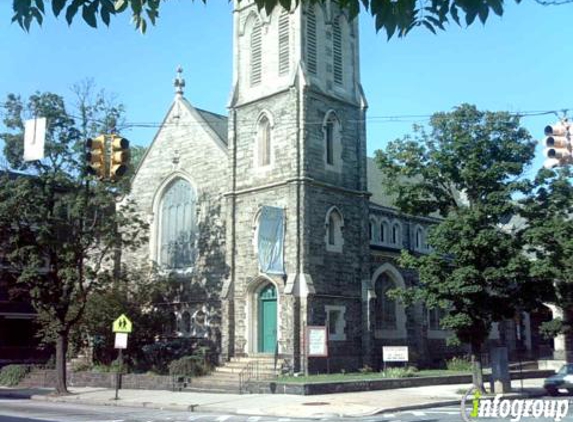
179	82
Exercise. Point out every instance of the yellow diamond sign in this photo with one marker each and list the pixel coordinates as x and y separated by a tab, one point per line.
122	325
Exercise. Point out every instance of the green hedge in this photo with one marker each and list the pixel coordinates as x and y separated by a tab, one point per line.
11	375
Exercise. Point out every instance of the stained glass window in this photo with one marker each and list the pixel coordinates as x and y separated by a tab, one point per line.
178	225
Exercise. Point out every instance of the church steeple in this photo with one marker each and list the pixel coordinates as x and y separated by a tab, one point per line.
315	43
179	82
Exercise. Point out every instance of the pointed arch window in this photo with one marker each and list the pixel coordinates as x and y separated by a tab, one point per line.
284	44
264	142
384	232
386	317
178	226
334	227
419	241
186	322
397	234
332	141
256	54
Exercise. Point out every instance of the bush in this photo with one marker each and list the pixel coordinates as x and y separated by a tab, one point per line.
407	372
12	375
189	366
460	364
82	366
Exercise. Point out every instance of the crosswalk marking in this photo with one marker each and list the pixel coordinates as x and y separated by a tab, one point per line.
223	418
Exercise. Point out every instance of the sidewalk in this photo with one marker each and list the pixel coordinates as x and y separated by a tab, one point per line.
319	406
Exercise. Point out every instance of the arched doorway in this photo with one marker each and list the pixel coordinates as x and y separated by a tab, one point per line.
267	319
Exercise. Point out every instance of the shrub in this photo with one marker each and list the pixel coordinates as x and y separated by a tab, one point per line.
82	366
12	375
189	366
461	364
407	372
366	369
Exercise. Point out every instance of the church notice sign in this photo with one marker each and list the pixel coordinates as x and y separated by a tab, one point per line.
395	353
316	341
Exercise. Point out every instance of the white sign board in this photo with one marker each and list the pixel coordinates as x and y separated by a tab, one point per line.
120	341
316	341
34	138
395	353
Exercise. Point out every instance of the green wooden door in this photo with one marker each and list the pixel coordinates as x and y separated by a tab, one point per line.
267	319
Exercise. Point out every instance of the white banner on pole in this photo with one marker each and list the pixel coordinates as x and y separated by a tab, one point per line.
34	138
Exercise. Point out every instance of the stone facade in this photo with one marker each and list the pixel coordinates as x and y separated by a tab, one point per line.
294	140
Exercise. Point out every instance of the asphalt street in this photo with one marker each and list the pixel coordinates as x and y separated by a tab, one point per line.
22	410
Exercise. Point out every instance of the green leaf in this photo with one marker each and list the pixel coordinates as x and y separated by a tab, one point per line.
105	15
57	6
429	26
72	10
89	14
483	13
40	5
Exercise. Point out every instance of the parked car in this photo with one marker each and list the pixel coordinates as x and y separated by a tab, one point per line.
563	379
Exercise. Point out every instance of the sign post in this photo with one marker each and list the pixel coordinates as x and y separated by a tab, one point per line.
394	354
121	327
317	343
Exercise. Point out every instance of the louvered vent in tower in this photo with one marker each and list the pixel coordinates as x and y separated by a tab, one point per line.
284	43
337	51
311	41
256	54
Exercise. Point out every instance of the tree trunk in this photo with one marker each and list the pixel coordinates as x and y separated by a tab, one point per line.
61	349
477	370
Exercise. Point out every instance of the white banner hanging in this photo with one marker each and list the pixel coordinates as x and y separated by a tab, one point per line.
34	139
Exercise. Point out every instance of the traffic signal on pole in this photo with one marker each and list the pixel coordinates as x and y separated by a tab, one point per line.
119	157
95	156
558	144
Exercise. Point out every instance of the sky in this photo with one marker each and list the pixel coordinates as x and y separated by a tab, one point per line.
521	62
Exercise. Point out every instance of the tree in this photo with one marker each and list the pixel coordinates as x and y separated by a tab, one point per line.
394	16
549	233
60	231
467	170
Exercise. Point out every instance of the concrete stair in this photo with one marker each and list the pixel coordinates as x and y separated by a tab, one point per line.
226	378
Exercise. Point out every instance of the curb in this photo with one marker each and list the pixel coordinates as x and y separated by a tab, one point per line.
445	403
215	409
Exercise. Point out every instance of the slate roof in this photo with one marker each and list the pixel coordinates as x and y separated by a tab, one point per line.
217	122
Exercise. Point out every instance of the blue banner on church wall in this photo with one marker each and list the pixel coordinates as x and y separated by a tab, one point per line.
271	240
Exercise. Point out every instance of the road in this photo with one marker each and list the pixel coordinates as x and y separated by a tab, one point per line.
23	410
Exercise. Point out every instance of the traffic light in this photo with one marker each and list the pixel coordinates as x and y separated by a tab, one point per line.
119	159
95	156
557	144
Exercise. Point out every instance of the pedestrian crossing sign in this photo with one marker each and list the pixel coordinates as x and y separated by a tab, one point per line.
122	325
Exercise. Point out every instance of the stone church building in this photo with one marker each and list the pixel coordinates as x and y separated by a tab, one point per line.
273	218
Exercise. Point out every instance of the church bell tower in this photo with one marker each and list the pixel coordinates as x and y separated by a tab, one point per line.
297	144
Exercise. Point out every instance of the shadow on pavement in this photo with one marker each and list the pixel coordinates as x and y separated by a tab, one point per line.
23	393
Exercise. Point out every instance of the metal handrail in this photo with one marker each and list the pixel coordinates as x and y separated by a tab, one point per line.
247	374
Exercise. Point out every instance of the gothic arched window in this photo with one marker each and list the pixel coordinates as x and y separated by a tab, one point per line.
397	234
385	306
186	322
332	142
178	225
264	142
334	225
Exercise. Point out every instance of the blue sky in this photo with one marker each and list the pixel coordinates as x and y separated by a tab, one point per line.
521	62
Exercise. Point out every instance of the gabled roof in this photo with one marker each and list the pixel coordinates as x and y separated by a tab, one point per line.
217	122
